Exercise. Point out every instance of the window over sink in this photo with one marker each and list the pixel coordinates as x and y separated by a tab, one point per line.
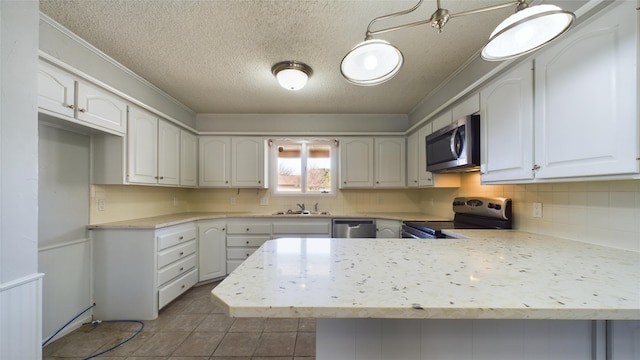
303	166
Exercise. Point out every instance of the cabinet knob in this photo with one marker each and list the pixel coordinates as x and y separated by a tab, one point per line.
247	242
226	181
161	177
82	110
72	107
181	253
181	268
247	255
223	229
259	181
181	237
345	182
182	287
377	182
247	229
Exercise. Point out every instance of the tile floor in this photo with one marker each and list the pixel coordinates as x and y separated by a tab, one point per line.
192	328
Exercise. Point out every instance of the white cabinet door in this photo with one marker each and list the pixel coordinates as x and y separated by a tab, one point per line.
507	126
212	243
215	161
188	158
56	90
168	153
390	162
586	116
412	160
388	229
143	147
425	178
356	162
101	108
248	162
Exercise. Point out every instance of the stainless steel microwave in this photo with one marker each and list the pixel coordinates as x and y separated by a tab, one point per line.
455	147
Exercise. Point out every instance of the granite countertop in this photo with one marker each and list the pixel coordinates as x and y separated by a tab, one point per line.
491	274
157	222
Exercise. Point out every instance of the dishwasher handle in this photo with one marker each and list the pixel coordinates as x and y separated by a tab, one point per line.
354	223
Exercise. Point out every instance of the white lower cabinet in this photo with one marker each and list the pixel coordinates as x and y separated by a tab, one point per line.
212	245
389	229
244	236
139	271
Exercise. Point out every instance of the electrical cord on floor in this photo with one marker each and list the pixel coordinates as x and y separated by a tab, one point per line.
65	325
97	322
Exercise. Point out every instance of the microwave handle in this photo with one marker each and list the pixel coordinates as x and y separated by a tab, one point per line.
455	144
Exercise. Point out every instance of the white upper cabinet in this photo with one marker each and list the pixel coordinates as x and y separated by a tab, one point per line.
168	153
155	151
412	160
390	162
425	178
215	161
56	90
99	107
356	162
248	163
232	162
188	158
506	125
586	94
142	147
60	93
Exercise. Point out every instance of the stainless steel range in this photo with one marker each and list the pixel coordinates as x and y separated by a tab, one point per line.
470	213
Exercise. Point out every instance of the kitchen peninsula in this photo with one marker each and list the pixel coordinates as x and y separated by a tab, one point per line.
492	294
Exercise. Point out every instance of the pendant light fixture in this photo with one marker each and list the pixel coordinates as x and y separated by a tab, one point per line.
292	75
375	61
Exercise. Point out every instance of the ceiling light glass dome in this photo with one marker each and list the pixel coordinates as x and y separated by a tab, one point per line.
371	62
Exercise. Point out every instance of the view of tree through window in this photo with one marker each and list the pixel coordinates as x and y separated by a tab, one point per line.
303	168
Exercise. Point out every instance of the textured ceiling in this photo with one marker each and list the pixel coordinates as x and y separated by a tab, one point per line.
215	56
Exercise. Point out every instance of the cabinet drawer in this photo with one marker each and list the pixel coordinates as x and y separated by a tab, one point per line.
178	236
179	267
167	256
249	228
240	254
302	228
246	240
172	290
232	265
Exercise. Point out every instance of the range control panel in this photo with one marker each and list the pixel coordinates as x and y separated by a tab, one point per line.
495	207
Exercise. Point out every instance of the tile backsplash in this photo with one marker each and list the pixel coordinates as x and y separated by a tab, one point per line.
600	212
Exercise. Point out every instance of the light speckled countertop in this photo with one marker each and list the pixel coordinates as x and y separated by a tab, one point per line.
492	274
157	222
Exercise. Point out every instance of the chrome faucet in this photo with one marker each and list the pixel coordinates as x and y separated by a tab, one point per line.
301	206
315	207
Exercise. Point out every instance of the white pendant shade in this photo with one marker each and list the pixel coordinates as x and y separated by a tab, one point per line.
371	62
526	31
292	79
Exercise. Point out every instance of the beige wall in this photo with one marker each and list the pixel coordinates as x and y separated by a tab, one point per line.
602	212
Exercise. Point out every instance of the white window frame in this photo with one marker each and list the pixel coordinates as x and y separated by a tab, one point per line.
274	143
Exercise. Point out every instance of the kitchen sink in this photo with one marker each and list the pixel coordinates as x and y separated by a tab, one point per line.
301	213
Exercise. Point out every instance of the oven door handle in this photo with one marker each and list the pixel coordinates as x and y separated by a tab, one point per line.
408	235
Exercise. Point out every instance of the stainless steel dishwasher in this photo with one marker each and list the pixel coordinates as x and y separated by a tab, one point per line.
354	228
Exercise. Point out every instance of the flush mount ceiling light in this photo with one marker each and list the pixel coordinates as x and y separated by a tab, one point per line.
374	61
291	75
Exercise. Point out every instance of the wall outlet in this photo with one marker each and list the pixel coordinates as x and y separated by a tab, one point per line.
233	200
100	204
264	200
537	210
